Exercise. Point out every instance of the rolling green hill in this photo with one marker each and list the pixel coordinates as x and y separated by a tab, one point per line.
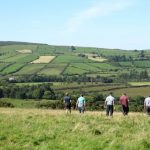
16	58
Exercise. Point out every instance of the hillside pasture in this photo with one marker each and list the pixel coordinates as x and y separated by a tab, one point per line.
43	59
117	52
90	88
74	71
70	59
4	56
3	65
85	66
30	69
105	66
16	58
12	68
126	64
54	130
133	91
138	83
90	68
142	64
28	58
13	48
53	69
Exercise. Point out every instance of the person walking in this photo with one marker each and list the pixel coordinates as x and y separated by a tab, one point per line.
147	105
81	104
67	102
124	102
109	103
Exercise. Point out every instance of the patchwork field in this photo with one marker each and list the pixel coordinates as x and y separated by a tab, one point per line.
49	129
53	69
78	60
30	69
43	59
12	68
70	59
3	65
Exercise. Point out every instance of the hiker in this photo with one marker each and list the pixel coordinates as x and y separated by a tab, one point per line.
81	104
124	102
109	103
147	105
67	102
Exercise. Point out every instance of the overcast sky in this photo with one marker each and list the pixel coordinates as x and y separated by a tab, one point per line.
121	24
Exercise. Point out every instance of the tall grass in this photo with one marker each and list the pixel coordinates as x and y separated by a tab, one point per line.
23	129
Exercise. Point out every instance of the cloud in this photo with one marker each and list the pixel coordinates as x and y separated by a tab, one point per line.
99	9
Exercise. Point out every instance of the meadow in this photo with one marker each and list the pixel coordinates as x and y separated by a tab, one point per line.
23	129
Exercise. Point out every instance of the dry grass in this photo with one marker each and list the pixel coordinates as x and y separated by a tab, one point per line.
43	59
99	59
24	51
62	112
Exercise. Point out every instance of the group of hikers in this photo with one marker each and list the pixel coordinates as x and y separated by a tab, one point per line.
109	104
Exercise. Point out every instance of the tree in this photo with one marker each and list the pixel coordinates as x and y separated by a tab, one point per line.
47	95
73	48
37	94
144	75
1	93
142	54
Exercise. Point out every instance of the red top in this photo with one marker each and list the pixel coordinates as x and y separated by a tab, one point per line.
124	100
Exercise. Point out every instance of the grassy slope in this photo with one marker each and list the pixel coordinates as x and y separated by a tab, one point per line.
76	64
23	129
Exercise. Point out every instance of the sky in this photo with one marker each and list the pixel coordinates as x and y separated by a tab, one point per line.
122	24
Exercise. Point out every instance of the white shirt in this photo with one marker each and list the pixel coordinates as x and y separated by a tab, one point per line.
110	100
81	101
147	101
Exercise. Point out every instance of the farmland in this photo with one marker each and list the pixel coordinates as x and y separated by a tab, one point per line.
37	76
71	65
77	60
53	129
12	68
30	69
43	59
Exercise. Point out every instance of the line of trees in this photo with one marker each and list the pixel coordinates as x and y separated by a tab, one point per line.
93	102
43	91
134	75
65	78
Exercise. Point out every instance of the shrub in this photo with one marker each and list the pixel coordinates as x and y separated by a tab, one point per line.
6	104
46	105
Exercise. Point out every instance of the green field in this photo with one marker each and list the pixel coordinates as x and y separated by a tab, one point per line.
23	129
142	64
132	91
12	68
72	63
75	64
3	65
126	64
85	66
139	83
53	69
74	71
30	69
70	59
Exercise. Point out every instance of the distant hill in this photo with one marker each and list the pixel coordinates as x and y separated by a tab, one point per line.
5	43
18	58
